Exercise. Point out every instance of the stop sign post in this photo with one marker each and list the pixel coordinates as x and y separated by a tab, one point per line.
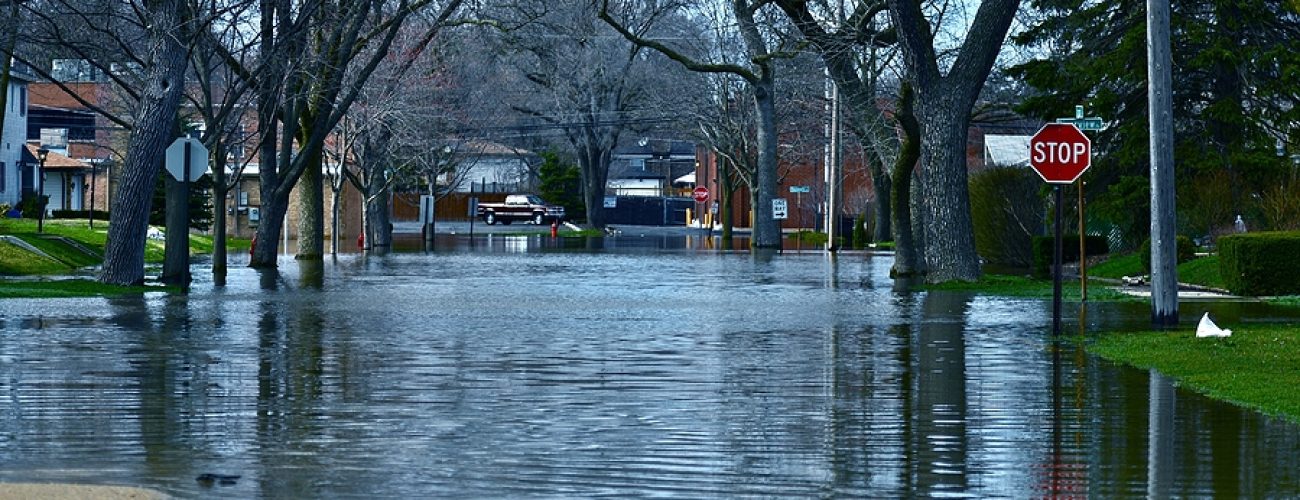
1060	154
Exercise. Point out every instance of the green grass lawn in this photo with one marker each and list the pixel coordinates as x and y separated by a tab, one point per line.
1202	271
1118	266
1257	367
71	288
1019	286
16	261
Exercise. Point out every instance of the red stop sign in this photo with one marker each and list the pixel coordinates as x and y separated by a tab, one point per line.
701	194
1060	153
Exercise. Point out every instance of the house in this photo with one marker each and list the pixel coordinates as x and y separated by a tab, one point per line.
60	122
484	166
70	184
1006	150
15	175
652	167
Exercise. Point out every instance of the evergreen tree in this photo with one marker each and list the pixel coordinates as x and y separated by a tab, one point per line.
1235	65
561	184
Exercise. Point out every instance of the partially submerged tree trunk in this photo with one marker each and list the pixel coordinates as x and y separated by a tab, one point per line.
767	230
155	119
944	104
904	246
594	161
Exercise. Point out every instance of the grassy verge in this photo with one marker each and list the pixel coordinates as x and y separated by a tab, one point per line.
1118	267
1256	367
1202	271
71	288
1018	286
15	261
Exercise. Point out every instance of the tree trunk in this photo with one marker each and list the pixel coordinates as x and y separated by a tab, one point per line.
218	227
909	151
944	187
311	208
725	213
884	206
767	230
378	232
155	119
594	163
334	219
918	224
268	229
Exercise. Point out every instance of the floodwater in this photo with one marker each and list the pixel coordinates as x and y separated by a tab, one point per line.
620	367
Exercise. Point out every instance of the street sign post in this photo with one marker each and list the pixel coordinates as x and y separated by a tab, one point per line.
1059	153
187	161
187	148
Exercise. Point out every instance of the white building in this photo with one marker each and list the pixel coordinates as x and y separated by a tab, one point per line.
13	137
490	167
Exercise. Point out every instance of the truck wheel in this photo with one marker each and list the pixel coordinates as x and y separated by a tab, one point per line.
490	218
538	219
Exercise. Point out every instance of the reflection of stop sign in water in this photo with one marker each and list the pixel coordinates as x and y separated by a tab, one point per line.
701	194
1060	153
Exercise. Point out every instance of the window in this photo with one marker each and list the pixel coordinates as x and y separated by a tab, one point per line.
22	101
4	177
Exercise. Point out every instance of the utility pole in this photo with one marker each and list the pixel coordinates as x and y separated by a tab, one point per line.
1164	273
834	173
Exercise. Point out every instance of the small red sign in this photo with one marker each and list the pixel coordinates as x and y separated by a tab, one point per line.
1060	153
701	194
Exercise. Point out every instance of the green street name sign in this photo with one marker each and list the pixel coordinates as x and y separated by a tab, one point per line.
1090	124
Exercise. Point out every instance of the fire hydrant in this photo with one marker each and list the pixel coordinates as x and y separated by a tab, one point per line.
555	228
361	240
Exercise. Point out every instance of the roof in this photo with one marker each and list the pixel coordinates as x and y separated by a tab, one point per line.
488	148
53	161
1006	150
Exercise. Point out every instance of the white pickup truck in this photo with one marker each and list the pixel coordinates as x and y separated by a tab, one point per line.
525	207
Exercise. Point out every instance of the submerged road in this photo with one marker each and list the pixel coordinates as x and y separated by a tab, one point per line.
629	367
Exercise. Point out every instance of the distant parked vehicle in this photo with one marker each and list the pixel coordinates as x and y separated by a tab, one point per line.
524	207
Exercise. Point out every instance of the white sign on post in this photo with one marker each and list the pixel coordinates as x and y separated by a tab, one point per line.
780	209
176	159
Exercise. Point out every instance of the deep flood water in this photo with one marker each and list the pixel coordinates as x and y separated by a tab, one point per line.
624	367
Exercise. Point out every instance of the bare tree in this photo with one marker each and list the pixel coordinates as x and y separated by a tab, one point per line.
588	83
944	103
761	52
152	37
318	57
856	46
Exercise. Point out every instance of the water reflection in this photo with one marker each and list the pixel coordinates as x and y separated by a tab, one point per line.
576	370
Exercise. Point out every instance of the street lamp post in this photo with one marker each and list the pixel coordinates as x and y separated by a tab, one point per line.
41	155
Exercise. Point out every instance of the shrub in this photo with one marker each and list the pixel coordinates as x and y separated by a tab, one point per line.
30	206
1044	249
1186	251
1260	263
1007	210
860	231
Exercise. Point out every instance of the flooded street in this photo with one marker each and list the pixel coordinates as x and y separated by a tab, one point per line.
620	367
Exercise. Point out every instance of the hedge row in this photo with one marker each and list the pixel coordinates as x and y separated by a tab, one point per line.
1044	249
1261	263
78	214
